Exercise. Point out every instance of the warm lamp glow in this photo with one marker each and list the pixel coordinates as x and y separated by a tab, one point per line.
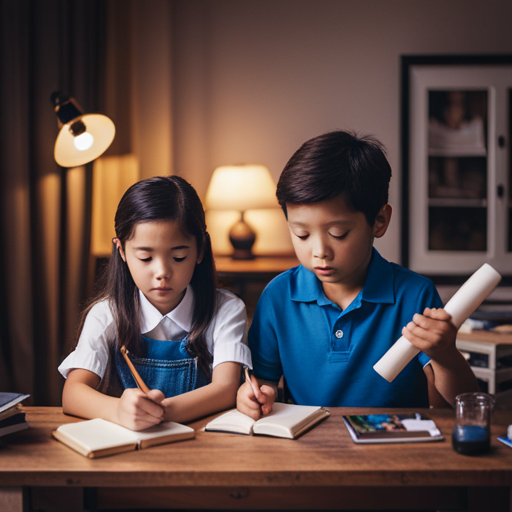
241	188
83	141
82	138
113	175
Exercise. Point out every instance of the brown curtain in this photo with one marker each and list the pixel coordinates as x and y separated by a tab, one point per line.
45	46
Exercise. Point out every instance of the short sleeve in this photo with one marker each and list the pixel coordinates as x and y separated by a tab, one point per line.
263	340
91	352
227	337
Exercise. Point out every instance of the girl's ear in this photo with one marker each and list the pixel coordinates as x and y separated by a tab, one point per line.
382	220
119	246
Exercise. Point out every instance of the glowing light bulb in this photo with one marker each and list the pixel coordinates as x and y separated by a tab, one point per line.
83	141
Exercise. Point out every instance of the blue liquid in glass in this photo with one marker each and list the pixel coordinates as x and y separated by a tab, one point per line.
471	439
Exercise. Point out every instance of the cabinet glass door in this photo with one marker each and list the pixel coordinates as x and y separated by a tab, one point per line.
509	184
457	170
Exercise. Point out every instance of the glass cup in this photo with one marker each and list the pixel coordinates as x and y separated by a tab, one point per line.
472	431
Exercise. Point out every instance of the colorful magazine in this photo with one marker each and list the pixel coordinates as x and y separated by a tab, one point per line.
392	428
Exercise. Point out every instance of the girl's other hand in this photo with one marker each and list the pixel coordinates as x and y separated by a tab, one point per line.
137	410
253	400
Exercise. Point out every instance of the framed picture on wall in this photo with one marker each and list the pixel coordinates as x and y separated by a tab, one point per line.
456	164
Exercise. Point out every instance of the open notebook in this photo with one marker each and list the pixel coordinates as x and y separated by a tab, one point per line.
98	437
285	420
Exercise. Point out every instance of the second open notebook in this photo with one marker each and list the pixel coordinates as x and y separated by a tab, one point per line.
285	420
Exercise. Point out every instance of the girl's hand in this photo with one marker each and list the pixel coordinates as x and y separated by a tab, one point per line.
138	411
253	400
433	333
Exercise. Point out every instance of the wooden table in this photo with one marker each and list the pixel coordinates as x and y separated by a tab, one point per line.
323	469
262	268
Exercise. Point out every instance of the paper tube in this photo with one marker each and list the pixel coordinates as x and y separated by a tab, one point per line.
469	296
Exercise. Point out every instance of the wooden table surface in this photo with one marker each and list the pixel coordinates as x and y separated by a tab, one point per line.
259	265
490	337
324	458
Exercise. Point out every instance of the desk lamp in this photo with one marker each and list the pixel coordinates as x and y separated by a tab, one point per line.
241	188
82	137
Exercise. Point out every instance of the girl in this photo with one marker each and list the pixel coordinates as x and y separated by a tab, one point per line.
185	337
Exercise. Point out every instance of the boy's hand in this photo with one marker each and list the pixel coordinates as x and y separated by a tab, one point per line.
433	333
253	400
137	410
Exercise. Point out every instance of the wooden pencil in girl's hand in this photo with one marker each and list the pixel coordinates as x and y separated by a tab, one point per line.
138	379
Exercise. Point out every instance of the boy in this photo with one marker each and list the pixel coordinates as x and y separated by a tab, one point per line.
324	324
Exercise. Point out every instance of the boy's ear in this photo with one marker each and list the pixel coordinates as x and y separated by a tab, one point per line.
117	243
381	223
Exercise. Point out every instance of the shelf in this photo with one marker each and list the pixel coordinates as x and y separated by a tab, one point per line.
457	153
457	202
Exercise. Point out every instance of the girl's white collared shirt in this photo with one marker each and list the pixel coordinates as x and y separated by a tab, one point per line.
226	337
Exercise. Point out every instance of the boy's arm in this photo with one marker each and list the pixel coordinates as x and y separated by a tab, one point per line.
434	334
257	398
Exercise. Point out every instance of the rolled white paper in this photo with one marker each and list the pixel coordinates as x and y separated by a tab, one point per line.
468	297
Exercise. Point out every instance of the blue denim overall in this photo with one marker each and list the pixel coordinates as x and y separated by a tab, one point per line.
166	366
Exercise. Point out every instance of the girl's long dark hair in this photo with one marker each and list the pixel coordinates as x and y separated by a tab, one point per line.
158	199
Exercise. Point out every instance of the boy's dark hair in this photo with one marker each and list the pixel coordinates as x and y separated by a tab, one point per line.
335	164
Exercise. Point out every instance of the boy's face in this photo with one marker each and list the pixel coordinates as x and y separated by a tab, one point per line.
333	241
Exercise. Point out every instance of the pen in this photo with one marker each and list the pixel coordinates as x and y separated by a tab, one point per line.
251	383
138	379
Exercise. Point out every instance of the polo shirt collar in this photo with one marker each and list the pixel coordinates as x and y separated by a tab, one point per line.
181	315
306	287
379	285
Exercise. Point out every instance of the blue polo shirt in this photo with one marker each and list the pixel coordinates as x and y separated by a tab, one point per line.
327	354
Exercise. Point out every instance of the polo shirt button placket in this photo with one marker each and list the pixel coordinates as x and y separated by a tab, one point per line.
339	334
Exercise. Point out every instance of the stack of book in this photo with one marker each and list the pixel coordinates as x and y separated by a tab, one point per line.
11	417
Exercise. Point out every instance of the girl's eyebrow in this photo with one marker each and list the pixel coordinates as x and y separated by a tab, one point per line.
150	249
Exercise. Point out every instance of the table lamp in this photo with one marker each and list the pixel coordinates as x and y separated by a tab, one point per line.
82	137
241	188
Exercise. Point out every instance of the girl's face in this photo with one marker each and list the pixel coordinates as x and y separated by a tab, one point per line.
161	259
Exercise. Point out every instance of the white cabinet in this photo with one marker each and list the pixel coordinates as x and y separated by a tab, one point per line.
457	170
490	357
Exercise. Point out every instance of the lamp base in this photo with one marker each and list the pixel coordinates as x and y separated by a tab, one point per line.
242	237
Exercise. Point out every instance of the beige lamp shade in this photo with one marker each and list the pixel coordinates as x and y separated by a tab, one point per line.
242	188
98	126
82	137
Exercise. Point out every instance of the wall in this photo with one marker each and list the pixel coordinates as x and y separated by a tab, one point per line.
252	80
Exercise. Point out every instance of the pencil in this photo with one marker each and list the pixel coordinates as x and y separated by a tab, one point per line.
138	379
249	381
